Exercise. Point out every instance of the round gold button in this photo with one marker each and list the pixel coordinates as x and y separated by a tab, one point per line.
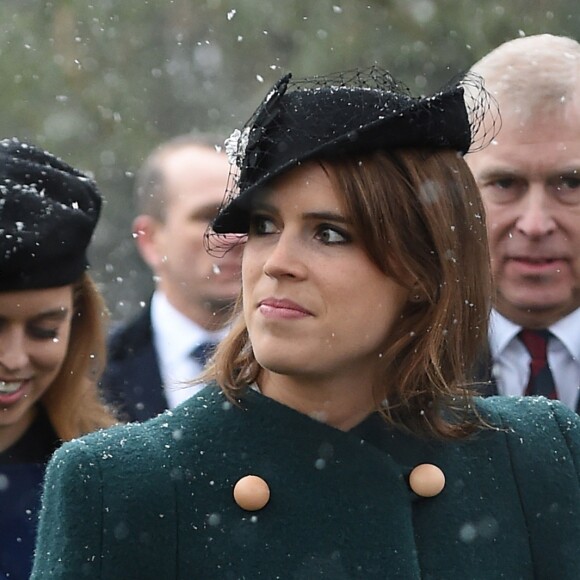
251	493
427	480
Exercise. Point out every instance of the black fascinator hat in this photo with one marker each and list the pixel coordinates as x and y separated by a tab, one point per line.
48	212
346	113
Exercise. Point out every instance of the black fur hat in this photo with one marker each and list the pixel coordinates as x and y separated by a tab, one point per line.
348	113
48	212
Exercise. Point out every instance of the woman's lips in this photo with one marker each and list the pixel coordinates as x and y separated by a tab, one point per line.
7	387
12	391
282	308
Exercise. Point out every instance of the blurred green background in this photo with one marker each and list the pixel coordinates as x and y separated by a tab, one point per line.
100	84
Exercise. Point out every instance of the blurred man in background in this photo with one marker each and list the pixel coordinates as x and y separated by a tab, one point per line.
178	191
529	178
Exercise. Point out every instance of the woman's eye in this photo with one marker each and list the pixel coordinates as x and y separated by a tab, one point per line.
330	235
261	225
43	333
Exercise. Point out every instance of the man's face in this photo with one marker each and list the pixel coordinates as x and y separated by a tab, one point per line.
195	282
529	178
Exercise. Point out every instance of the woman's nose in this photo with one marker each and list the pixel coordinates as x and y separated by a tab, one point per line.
286	258
13	353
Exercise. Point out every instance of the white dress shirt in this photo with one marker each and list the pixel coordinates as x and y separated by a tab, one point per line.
174	337
511	359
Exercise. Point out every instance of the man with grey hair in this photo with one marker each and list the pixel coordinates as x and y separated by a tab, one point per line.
529	178
178	192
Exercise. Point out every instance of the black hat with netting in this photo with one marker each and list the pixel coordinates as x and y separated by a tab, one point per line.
344	114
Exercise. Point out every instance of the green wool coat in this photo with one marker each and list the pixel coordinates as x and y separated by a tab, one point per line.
154	500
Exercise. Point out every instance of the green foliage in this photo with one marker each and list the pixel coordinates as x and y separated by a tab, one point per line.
101	83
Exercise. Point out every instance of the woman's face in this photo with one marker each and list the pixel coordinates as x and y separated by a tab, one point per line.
314	304
34	336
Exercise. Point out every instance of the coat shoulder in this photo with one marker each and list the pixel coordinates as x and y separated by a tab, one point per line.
528	413
163	436
535	426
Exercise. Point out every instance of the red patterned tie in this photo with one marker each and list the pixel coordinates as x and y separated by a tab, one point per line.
541	380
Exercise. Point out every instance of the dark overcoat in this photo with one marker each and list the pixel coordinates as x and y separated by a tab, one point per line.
154	500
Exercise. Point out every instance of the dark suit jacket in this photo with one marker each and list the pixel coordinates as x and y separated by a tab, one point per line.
132	380
482	376
154	500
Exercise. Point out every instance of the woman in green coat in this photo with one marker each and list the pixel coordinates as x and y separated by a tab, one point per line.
340	439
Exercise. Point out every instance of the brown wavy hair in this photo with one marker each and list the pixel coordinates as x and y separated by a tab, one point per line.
72	401
421	220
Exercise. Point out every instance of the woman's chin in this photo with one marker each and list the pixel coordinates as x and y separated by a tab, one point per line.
280	363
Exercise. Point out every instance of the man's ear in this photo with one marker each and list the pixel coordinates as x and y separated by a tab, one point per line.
147	234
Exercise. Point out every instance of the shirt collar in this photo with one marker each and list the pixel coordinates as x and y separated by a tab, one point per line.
175	335
567	330
501	332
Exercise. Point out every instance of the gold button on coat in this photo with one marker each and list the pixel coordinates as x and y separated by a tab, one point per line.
251	493
427	480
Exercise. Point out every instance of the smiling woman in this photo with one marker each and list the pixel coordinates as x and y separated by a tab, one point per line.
34	338
51	333
340	438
